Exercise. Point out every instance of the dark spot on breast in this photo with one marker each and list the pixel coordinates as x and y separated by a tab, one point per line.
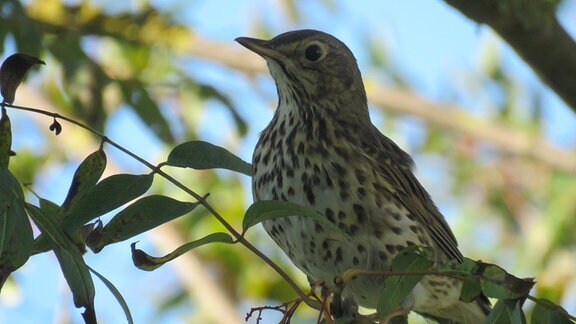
395	215
353	229
383	256
361	193
338	255
300	148
340	170
328	255
396	230
330	215
310	195
390	248
414	229
360	213
433	283
315	180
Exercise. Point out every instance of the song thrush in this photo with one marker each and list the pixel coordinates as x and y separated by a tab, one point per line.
321	150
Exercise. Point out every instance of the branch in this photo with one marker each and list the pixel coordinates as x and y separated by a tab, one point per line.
401	101
534	32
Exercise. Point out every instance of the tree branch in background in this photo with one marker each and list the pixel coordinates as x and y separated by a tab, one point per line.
532	29
402	101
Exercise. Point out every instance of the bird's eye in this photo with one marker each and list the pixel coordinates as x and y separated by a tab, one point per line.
313	53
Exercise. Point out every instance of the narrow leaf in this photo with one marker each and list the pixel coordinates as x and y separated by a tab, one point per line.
560	318
106	196
270	209
397	287
79	280
546	311
141	216
499	314
5	140
202	155
116	294
42	243
73	266
85	177
16	237
515	311
146	262
540	314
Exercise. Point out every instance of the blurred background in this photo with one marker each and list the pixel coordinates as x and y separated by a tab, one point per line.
493	145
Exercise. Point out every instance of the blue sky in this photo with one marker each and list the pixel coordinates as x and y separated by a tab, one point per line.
429	40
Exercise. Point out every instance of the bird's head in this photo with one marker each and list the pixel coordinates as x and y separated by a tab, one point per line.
310	65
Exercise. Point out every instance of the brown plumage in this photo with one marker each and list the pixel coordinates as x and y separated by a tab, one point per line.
321	150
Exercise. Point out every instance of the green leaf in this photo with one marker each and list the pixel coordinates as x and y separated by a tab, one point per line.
116	294
49	207
73	266
540	314
560	318
141	216
497	283
499	314
41	243
546	312
515	311
106	196
270	209
85	177
397	287
79	280
5	140
146	262
470	290
16	237
202	155
469	269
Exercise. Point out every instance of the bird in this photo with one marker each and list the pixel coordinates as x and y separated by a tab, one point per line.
12	72
321	150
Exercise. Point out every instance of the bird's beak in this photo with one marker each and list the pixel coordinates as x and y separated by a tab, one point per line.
260	47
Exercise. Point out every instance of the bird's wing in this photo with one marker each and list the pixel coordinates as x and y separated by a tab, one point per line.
395	167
